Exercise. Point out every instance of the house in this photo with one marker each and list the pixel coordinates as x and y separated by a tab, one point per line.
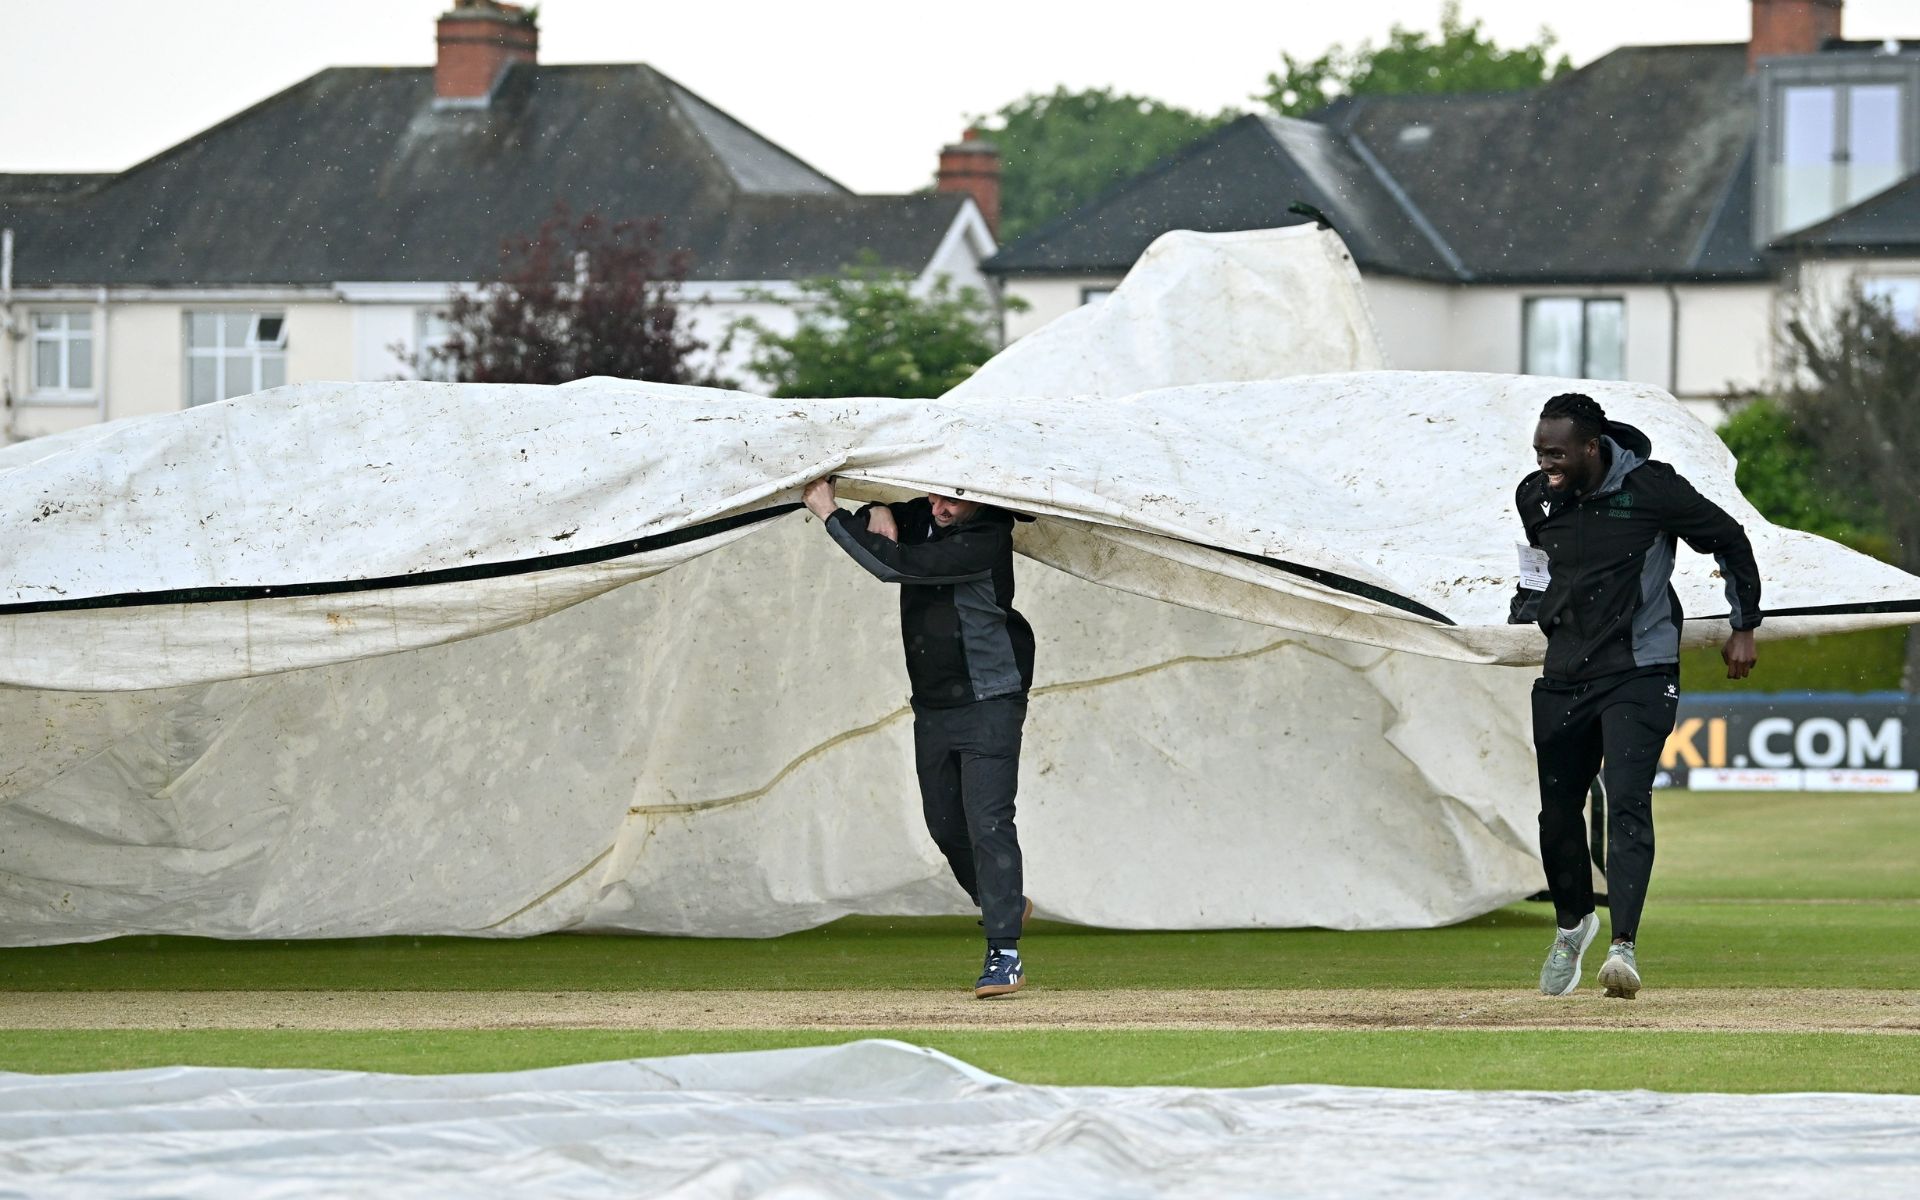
310	235
1649	217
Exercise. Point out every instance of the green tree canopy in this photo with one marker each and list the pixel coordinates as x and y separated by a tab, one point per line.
1784	476
1062	149
868	333
1461	59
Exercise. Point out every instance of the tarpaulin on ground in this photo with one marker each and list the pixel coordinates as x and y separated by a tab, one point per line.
884	1119
347	659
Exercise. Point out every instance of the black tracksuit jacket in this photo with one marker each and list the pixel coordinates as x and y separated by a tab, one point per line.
1609	606
963	639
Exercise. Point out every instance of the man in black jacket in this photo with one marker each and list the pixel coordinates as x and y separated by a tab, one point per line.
970	660
1601	522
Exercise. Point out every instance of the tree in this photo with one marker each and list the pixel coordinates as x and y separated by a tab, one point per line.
1462	59
867	333
579	297
1851	389
1061	150
1782	474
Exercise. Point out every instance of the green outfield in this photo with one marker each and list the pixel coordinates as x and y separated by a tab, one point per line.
1752	893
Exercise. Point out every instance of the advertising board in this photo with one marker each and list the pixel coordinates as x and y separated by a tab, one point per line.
1796	741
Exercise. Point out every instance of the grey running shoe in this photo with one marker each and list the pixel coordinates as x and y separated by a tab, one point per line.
1560	974
1620	973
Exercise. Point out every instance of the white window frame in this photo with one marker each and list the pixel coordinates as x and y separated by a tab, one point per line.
1586	304
1096	293
254	351
62	392
430	326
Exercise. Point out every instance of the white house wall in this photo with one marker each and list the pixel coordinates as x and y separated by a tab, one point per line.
1726	339
1414	320
147	359
320	342
1047	299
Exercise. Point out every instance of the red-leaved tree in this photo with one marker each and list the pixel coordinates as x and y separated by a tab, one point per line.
582	296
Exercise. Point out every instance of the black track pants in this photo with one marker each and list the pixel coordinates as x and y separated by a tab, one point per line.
968	760
1623	720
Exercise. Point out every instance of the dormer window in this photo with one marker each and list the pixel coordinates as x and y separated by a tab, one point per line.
1835	130
1839	144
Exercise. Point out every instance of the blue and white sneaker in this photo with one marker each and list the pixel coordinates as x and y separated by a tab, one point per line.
1003	975
1560	974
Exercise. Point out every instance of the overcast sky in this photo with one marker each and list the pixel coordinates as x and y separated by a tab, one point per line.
865	90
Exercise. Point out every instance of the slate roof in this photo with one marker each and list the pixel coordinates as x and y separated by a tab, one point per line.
1886	221
1629	169
1243	176
354	174
1614	172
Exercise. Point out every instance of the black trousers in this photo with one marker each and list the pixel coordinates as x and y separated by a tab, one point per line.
968	760
1622	721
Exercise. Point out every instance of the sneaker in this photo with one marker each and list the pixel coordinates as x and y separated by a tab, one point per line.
1620	973
1002	976
1560	974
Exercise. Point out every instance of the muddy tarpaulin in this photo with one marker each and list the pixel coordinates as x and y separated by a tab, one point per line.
347	659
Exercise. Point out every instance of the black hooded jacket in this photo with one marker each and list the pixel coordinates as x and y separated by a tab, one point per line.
963	639
1609	605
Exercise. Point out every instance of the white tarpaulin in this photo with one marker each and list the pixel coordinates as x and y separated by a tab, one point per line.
275	667
884	1119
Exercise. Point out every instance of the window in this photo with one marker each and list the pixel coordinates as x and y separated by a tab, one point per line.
1094	295
431	329
1902	296
1838	144
233	353
1574	337
63	354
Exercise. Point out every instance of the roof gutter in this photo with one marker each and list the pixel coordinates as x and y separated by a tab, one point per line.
1673	341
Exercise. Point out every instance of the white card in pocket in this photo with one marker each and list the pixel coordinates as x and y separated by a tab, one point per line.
1534	571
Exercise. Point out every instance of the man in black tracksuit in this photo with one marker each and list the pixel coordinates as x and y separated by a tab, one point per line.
1606	518
970	660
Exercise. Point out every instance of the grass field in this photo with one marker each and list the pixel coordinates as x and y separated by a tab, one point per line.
1752	893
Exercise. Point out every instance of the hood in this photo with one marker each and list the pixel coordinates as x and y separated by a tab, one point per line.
1628	448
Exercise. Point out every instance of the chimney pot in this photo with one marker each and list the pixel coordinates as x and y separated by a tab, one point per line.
478	40
971	167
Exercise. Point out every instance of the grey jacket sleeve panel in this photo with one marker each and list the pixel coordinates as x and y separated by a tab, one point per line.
1707	529
962	558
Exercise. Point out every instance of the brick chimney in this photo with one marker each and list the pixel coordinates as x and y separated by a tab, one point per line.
1791	27
972	167
479	40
